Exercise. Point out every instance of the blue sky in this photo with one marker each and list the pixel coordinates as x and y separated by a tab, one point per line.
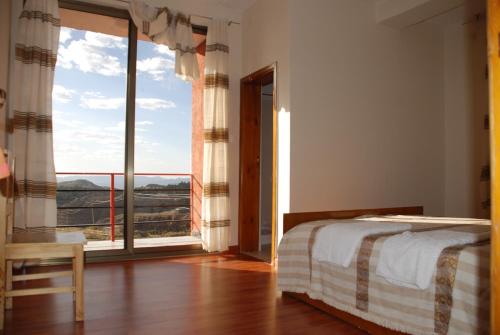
89	106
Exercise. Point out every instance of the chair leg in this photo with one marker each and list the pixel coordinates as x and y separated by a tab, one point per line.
74	278
8	285
79	308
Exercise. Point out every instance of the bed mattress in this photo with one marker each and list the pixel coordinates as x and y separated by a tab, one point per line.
457	301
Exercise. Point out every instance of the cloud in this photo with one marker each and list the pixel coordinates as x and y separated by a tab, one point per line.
154	104
95	100
102	103
62	94
57	113
164	50
104	41
60	118
156	67
140	141
89	55
83	146
118	128
95	94
144	124
78	133
65	34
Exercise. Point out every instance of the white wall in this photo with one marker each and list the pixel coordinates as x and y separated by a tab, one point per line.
366	110
361	105
459	128
466	103
265	41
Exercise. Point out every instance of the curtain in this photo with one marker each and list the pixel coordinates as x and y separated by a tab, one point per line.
30	115
215	201
173	29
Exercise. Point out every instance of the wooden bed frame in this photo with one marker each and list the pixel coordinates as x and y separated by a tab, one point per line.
293	219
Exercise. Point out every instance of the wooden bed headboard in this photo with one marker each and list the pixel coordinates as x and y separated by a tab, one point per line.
290	220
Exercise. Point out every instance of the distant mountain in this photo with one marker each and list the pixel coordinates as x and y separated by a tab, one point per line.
180	185
139	181
152	186
78	184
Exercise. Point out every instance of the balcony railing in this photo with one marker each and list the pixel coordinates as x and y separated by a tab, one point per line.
147	198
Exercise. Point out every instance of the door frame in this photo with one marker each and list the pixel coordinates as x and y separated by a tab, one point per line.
493	31
249	91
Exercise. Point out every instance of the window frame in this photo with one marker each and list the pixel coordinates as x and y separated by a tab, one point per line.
129	251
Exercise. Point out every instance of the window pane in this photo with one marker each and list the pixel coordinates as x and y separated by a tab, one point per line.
163	133
89	125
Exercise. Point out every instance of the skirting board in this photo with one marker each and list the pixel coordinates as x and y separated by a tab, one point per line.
234	249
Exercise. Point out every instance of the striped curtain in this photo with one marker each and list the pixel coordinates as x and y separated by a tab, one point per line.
173	29
30	115
215	202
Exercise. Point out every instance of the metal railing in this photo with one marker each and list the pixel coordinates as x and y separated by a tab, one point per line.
112	198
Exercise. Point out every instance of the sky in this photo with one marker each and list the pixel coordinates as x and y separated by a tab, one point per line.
89	106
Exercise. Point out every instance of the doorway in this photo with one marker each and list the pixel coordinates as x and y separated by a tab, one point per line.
257	202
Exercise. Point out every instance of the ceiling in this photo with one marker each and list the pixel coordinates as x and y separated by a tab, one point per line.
406	13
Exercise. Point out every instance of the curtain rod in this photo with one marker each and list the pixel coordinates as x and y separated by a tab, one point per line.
200	16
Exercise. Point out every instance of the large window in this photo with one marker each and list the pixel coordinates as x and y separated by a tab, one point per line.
93	86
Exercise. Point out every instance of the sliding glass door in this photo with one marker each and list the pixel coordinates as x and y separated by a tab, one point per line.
122	136
162	183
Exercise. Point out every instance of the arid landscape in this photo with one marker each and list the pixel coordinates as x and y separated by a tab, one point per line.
160	210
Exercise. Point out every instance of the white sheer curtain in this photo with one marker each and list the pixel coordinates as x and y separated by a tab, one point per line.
30	115
173	29
215	201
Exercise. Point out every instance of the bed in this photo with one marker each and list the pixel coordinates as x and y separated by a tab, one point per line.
456	302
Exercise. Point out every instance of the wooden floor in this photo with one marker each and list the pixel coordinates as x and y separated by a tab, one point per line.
190	295
264	254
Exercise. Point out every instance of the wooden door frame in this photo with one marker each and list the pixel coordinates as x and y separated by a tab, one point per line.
258	77
493	29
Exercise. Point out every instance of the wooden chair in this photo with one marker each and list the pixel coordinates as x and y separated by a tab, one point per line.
34	245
